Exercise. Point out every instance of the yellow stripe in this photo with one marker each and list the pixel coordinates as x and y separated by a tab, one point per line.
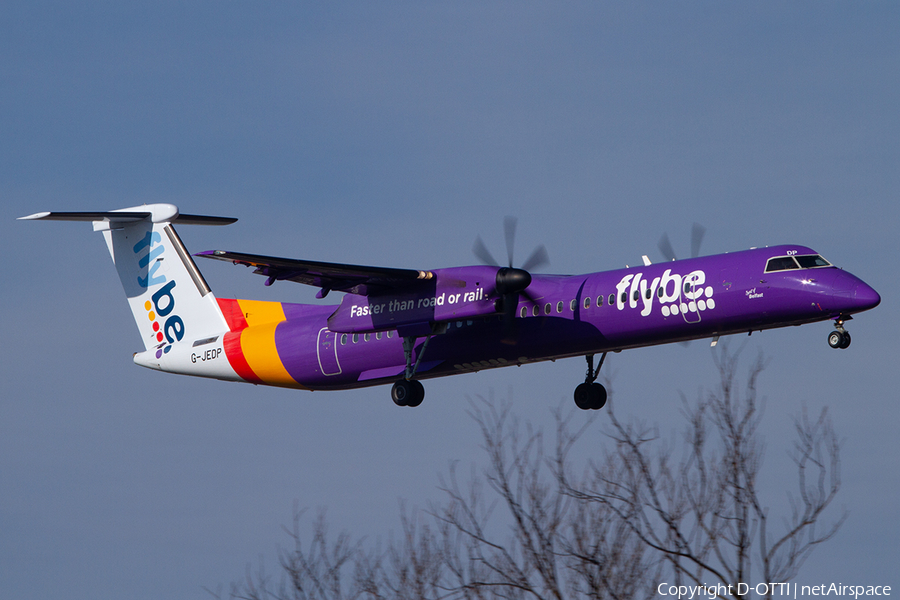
258	312
258	346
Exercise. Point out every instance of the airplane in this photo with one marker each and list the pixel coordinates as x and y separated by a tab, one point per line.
402	326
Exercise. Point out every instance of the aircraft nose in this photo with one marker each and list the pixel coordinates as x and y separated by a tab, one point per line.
853	295
865	297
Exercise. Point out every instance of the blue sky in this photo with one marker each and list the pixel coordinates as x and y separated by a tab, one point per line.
392	134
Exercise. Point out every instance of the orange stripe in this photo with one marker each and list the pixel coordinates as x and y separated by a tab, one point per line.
250	345
257	312
258	347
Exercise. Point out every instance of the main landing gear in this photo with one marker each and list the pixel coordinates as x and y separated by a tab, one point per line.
591	395
408	391
840	337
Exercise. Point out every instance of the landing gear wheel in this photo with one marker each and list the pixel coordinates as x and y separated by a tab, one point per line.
418	394
846	343
590	396
583	396
835	339
407	393
839	339
598	396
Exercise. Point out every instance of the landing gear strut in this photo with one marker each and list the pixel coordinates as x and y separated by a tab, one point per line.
840	337
591	395
408	391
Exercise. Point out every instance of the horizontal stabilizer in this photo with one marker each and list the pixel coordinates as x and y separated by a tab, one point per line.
168	297
131	216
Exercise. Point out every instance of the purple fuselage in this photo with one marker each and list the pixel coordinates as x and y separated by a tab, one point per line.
360	343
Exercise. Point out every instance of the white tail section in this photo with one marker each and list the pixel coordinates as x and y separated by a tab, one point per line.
168	296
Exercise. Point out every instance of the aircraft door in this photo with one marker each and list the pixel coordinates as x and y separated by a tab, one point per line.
326	349
690	292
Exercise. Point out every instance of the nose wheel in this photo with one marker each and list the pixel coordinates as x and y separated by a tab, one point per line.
840	337
591	395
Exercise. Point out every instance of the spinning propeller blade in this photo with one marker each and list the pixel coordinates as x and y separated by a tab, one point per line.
665	247
509	233
511	282
697	233
539	258
483	254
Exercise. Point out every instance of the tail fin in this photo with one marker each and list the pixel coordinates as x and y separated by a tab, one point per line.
168	296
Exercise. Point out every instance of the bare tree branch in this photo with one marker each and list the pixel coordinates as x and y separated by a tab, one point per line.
536	525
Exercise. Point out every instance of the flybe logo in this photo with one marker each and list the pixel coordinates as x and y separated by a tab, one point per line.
675	293
167	327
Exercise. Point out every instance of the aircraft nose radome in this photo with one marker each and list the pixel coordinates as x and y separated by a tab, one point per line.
866	297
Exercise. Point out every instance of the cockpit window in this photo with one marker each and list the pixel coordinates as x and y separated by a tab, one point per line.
781	263
787	263
811	261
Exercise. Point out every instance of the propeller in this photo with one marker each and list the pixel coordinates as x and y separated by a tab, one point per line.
536	260
511	281
697	233
665	246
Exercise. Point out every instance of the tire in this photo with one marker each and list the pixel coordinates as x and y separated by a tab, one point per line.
402	392
583	396
418	394
408	393
835	339
846	343
598	397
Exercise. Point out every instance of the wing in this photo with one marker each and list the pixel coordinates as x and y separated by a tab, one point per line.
354	279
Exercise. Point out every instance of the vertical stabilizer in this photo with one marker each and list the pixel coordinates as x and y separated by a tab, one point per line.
168	296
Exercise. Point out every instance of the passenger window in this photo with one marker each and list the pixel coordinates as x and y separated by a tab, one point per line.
343	339
600	300
523	312
355	337
535	311
624	297
378	336
612	298
547	309
559	306
572	305
366	337
390	334
587	302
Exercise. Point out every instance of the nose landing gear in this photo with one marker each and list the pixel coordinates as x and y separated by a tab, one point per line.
840	337
591	395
